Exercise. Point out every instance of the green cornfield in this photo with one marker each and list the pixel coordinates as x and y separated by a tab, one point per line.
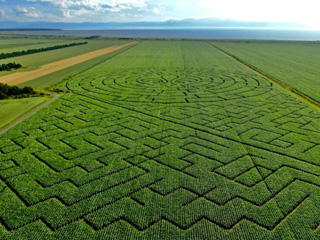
167	140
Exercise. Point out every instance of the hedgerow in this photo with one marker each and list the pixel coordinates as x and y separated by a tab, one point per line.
7	91
32	51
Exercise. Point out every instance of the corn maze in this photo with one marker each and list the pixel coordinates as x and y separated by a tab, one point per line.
179	143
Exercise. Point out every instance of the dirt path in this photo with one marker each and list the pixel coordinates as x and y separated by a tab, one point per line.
20	77
29	114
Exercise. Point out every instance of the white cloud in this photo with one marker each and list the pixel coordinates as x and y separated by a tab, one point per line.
156	10
66	13
95	4
2	14
22	10
91	4
28	12
305	12
101	10
32	15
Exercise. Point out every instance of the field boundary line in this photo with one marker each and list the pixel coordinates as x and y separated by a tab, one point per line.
272	79
27	115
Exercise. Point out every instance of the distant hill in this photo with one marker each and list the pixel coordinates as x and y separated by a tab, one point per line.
185	23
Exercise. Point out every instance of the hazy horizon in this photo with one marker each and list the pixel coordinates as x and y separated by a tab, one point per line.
208	23
120	11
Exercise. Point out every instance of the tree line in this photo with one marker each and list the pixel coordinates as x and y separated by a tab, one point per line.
15	92
9	66
32	51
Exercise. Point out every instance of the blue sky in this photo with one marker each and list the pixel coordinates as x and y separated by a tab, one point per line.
305	12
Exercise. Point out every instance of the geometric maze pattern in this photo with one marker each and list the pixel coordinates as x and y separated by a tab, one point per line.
157	155
175	86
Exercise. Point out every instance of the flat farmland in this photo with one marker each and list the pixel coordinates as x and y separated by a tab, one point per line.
9	47
166	140
34	61
13	109
36	45
46	62
296	65
23	42
44	70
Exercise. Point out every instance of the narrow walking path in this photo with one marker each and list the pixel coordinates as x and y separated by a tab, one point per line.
56	96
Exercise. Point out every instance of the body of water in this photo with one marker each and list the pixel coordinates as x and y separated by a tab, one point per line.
213	33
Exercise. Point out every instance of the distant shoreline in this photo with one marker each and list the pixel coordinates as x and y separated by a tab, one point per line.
27	29
212	33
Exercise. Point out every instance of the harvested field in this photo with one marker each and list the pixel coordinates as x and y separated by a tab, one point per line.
21	77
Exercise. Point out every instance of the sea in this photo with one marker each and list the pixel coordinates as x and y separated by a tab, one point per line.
199	33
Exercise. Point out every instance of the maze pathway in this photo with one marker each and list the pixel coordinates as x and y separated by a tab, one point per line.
192	152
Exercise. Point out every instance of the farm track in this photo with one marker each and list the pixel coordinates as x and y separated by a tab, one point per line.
21	119
295	92
21	77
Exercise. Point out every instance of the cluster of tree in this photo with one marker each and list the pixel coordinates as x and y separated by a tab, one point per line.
9	66
14	91
31	51
92	37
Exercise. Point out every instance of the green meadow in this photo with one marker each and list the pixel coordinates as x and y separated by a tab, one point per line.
53	79
296	65
12	109
22	47
34	61
168	140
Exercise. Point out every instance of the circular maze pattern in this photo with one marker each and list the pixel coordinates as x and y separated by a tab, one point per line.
175	86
